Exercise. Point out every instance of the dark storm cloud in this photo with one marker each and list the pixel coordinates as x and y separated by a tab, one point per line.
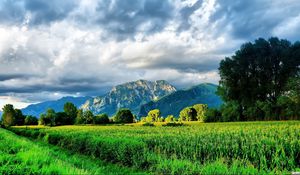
4	77
125	18
70	88
45	11
37	11
252	19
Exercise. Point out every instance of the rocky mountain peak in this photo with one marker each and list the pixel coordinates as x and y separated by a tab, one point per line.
129	95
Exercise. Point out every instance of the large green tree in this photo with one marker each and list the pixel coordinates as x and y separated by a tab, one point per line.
124	116
88	117
31	120
48	118
8	116
19	117
259	71
101	119
71	112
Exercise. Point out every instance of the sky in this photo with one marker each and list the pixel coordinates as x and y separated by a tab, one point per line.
51	49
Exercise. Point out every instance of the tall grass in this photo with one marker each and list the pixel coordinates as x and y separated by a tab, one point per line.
251	147
22	156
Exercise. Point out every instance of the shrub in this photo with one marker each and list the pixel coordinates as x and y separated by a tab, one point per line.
124	116
173	124
212	115
188	114
153	115
31	120
170	118
148	124
101	119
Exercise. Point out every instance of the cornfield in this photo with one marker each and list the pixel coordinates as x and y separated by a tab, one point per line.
195	148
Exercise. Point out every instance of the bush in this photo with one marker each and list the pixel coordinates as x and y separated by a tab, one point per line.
148	124
101	119
170	118
153	115
212	115
124	116
31	120
188	114
173	124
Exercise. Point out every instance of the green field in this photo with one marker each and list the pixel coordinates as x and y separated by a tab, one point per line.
196	148
21	156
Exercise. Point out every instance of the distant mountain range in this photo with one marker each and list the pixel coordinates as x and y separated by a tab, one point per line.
172	104
139	96
129	95
57	105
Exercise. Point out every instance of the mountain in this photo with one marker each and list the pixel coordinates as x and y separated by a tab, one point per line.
130	95
172	104
57	105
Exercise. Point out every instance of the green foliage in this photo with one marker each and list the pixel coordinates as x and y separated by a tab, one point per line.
173	124
143	119
61	118
188	114
8	116
230	111
148	124
153	115
88	117
258	72
201	109
31	120
212	115
71	111
123	116
101	119
170	118
48	118
79	117
19	117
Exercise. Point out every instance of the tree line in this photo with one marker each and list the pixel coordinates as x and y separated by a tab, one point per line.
69	116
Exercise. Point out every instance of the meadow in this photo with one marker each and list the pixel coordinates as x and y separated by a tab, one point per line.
19	155
195	148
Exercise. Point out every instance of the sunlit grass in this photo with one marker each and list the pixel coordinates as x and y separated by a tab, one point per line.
22	156
235	148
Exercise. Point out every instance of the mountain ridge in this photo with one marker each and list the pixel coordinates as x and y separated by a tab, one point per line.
57	105
173	103
129	95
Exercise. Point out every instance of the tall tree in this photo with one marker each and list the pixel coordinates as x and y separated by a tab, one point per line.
79	117
71	111
20	118
88	117
48	118
259	71
8	116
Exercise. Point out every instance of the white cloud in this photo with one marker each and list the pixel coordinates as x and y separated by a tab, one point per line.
84	51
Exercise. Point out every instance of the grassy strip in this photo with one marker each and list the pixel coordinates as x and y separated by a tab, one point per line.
21	156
